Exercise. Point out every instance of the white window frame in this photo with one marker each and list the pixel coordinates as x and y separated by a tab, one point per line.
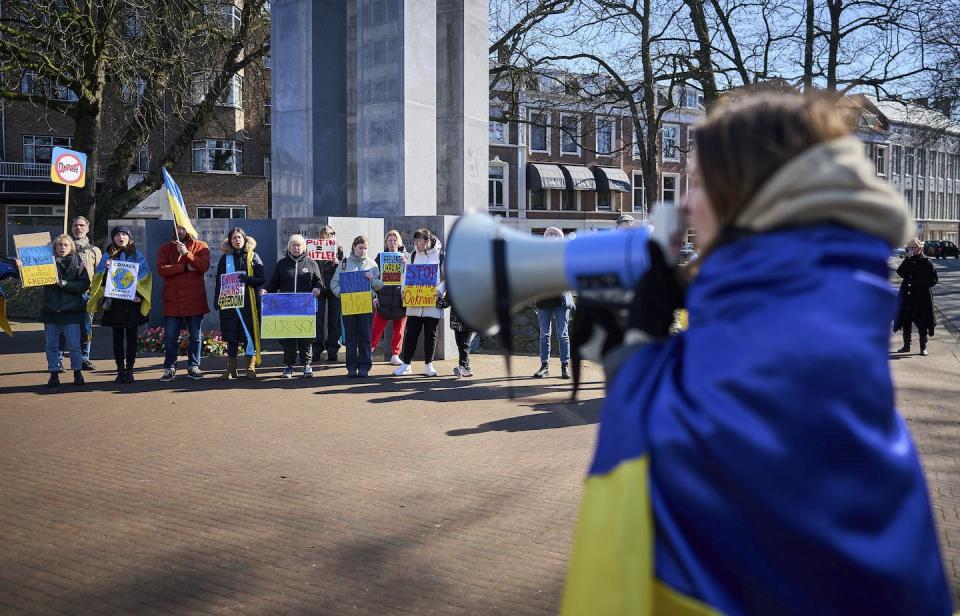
142	163
612	130
546	129
663	143
232	95
565	196
546	201
267	166
504	182
127	94
206	211
933	163
880	160
208	145
43	87
563	133
643	192
267	61
676	187
637	141
39	140
496	127
896	160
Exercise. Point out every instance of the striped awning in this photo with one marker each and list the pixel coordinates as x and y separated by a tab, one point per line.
541	176
611	179
579	177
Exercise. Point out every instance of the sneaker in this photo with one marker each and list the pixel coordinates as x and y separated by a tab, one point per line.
120	375
128	376
395	360
903	349
428	370
77	377
403	370
465	372
88	365
362	375
457	370
61	369
193	372
544	371
287	373
307	372
54	379
923	352
352	375
564	371
168	375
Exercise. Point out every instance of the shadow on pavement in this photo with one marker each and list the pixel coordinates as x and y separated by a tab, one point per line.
553	415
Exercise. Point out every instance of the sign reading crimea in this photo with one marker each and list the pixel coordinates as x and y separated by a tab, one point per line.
68	167
288	315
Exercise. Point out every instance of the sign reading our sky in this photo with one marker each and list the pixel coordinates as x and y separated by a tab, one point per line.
37	265
68	167
121	281
391	268
232	291
420	285
321	250
355	297
288	315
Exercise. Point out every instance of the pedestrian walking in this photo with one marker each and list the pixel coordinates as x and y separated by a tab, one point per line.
64	309
182	263
122	316
240	327
428	250
916	298
388	306
90	256
296	273
328	304
769	422
357	326
555	311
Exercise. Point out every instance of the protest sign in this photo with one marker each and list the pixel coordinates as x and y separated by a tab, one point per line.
289	315
232	291
37	265
420	285
355	297
68	167
391	269
121	280
322	250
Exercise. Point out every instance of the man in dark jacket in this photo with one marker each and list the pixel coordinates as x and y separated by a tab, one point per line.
916	299
182	264
328	304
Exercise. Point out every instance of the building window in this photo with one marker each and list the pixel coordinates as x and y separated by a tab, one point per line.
232	97
604	201
921	162
569	134
539	131
142	164
231	17
569	200
896	160
133	23
669	188
606	136
639	193
881	160
669	142
908	161
39	148
497	184
692	99
638	142
908	197
921	204
267	111
131	93
221	211
933	164
537	200
217	156
497	127
267	60
43	87
267	168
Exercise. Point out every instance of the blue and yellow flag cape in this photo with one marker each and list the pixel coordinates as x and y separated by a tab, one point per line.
177	205
253	341
4	323
144	280
755	463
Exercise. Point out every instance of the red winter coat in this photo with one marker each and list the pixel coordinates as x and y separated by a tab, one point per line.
184	292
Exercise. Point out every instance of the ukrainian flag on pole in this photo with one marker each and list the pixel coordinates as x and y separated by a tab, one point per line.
177	206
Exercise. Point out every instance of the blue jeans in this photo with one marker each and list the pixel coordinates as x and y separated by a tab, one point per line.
171	339
86	337
357	333
71	335
560	315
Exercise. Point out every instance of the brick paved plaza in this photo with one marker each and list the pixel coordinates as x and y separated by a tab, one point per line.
325	496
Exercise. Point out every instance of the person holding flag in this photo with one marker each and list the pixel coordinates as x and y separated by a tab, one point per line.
241	325
121	315
182	263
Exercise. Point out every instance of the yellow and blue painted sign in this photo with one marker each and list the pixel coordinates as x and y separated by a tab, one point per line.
288	315
68	167
355	297
37	265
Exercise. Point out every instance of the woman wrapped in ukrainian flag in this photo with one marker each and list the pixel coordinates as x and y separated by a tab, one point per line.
755	463
121	315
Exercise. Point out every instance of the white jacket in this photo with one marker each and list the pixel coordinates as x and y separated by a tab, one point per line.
419	258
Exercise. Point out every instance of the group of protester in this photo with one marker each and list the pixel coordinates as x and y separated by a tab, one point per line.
69	305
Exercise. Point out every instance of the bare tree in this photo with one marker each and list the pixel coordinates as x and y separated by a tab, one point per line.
143	65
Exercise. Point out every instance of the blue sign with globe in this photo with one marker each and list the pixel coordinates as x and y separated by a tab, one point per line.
122	280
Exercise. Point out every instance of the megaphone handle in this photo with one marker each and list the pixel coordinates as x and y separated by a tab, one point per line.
502	290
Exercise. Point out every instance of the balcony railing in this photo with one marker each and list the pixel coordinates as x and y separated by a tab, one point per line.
24	171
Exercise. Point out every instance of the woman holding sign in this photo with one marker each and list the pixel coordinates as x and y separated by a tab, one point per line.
121	288
355	282
239	274
64	310
421	284
388	305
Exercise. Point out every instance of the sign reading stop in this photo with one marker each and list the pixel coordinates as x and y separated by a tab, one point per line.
68	167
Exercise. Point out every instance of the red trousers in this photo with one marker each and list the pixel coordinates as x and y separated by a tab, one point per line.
380	325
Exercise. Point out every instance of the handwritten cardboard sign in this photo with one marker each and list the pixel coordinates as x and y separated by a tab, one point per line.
232	291
121	280
322	250
289	315
37	264
355	297
420	285
391	268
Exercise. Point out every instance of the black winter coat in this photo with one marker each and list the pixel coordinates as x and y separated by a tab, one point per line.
389	298
295	275
230	326
65	302
916	300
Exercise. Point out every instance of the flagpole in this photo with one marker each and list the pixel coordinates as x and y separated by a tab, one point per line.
66	207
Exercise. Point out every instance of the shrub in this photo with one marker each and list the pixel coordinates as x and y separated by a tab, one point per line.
211	344
22	303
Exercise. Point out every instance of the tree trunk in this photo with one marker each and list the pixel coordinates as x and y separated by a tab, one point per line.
833	51
704	55
86	138
808	49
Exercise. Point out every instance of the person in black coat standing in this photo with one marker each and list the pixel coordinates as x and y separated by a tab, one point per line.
328	304
241	326
916	300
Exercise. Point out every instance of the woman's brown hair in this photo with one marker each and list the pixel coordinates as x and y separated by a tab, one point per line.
360	239
745	139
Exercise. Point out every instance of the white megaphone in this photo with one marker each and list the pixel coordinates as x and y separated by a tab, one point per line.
490	267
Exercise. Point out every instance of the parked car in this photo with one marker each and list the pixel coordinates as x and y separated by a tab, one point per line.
8	268
948	249
898	253
687	253
931	248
